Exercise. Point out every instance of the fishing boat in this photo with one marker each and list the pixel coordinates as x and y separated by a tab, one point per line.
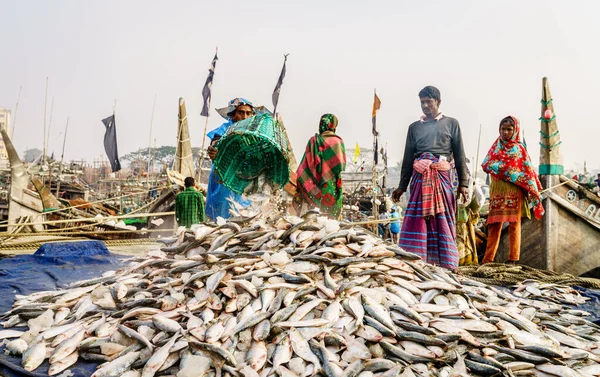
183	166
32	208
567	238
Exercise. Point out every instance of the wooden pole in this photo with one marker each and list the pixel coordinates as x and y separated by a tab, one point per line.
550	169
375	206
291	186
275	108
202	151
50	123
12	132
62	157
550	159
477	156
45	103
150	140
383	184
154	160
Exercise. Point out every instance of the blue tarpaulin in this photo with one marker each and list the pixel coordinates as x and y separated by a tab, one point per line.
53	266
592	306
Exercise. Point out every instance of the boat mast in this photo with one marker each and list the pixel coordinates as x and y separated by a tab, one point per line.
375	207
184	163
550	158
45	103
62	157
477	156
150	141
550	169
154	160
12	131
50	123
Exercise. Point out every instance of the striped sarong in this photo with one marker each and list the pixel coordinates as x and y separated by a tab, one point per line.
432	238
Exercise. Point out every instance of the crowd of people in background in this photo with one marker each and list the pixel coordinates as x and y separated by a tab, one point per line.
588	181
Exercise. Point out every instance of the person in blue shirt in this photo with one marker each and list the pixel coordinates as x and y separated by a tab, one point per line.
395	225
217	203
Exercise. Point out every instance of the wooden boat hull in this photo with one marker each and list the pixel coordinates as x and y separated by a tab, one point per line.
567	239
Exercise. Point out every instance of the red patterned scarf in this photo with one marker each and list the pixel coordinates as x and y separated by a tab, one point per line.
509	161
431	189
324	158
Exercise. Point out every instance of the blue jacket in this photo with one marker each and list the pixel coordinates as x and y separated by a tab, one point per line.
217	194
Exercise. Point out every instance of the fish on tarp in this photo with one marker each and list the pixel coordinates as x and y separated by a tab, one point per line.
267	294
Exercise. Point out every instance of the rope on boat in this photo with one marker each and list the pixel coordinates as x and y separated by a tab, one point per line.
92	203
109	243
506	274
94	233
94	219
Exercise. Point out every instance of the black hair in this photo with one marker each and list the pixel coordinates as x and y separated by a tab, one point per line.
508	120
232	112
431	92
188	182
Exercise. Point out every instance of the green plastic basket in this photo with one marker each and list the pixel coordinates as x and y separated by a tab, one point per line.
250	148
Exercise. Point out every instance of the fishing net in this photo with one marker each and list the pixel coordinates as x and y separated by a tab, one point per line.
505	274
250	148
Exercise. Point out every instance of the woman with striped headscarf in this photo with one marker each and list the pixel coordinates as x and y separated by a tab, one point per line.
320	172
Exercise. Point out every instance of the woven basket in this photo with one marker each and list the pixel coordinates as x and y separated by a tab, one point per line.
250	148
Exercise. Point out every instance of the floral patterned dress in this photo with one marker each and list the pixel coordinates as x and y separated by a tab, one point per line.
508	161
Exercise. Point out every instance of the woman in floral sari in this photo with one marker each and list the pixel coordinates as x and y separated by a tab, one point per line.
514	185
320	172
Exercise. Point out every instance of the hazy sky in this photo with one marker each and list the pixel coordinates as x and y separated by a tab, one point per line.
487	58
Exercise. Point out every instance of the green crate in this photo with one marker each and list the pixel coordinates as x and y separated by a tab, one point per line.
249	148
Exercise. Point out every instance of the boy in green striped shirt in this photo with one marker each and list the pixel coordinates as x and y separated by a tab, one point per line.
189	205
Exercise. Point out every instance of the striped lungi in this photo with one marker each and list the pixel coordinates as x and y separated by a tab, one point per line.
433	238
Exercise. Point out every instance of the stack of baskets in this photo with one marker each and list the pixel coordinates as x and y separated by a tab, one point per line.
249	148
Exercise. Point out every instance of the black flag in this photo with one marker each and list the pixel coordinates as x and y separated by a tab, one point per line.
110	143
206	93
375	151
278	86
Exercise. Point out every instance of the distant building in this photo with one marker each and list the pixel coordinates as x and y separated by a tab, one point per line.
4	125
360	174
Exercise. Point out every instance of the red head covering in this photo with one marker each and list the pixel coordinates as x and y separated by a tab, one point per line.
509	161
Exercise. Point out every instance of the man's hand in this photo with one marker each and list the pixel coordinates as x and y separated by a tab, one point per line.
464	193
212	152
397	194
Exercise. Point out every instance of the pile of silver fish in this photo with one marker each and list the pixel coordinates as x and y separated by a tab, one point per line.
270	296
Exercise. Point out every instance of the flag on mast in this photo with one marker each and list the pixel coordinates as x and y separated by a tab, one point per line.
277	90
356	153
110	143
206	91
376	106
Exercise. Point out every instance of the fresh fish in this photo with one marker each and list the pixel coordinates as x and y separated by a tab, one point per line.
257	355
34	356
269	294
283	352
166	324
67	347
302	349
158	358
117	366
63	364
